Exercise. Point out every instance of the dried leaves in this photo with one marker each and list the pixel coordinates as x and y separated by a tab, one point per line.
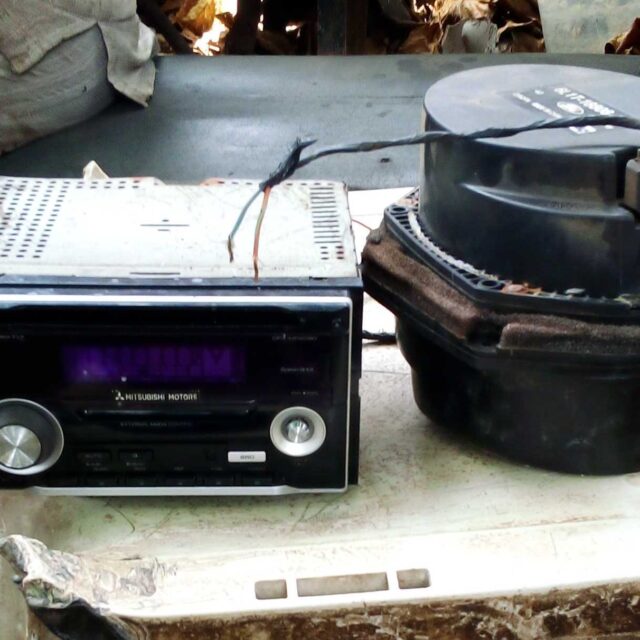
520	27
426	38
445	10
204	23
447	26
196	15
440	25
626	43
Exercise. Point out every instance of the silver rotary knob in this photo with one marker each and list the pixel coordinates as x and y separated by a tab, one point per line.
31	438
298	431
19	447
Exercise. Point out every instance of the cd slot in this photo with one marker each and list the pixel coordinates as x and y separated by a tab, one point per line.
157	428
235	410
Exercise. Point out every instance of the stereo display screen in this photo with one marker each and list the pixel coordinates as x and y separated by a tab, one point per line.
154	364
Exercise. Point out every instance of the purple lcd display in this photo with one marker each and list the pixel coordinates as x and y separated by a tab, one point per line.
154	364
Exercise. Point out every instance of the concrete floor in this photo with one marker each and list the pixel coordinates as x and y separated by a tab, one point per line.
479	524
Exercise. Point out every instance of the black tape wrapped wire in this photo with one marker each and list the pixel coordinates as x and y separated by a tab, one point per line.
294	160
284	170
379	337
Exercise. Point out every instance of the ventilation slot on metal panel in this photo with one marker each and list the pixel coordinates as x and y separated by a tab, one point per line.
29	209
29	212
123	183
327	230
409	579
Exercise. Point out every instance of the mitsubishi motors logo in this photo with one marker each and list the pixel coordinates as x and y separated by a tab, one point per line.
155	396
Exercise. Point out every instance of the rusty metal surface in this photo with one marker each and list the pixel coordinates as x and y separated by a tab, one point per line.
606	613
603	613
77	598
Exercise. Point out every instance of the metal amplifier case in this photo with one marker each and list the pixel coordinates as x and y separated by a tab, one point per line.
138	359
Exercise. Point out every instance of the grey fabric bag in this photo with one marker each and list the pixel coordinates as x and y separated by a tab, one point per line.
62	61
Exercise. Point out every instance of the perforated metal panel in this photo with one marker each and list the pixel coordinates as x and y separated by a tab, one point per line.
29	210
141	228
327	228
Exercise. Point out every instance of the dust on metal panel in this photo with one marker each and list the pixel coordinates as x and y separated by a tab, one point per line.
139	228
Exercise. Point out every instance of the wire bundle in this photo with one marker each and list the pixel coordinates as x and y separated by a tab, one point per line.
294	160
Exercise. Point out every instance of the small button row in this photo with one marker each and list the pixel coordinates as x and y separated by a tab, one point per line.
140	459
94	458
173	480
101	459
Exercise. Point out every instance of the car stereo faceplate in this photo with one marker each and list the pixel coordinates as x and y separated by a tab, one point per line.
143	361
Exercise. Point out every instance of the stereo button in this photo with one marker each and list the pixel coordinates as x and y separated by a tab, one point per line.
136	459
247	456
94	459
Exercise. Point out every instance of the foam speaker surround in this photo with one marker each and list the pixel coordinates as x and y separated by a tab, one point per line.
555	391
514	271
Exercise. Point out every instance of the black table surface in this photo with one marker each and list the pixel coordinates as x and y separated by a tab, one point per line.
235	117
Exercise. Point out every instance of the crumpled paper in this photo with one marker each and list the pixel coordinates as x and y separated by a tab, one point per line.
73	595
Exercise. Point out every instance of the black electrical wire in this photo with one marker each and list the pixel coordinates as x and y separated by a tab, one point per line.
381	337
294	160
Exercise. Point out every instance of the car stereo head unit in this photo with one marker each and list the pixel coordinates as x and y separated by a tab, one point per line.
138	359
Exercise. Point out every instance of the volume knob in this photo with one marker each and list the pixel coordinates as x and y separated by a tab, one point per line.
31	438
298	431
19	447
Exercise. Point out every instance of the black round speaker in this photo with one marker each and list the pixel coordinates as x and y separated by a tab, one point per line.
542	207
514	271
